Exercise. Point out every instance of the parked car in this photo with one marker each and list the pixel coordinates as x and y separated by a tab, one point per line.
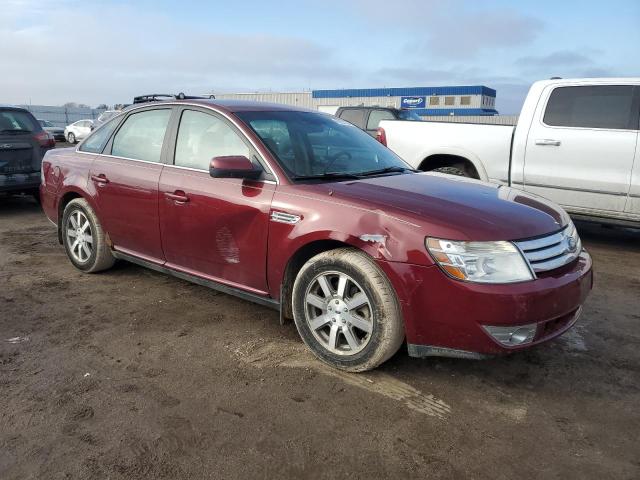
56	132
575	143
78	130
23	143
369	118
305	213
103	117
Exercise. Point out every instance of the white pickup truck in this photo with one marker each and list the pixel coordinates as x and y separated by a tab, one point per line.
576	143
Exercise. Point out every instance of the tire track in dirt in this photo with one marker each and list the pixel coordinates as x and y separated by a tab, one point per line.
288	354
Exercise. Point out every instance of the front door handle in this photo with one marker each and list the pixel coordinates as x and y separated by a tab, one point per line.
548	142
100	179
178	196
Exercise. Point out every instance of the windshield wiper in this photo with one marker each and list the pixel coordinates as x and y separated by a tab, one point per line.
329	176
393	169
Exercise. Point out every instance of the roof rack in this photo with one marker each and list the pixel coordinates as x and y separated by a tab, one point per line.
158	97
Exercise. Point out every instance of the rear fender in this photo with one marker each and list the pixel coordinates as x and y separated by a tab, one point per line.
458	152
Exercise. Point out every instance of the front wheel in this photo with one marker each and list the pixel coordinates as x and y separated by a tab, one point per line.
346	310
71	138
83	238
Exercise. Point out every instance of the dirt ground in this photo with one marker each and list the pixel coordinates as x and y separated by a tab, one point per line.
131	374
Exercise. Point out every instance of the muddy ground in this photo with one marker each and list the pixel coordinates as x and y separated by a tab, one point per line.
131	374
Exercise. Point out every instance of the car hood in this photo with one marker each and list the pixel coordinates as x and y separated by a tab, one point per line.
455	208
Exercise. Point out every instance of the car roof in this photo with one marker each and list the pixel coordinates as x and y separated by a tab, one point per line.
377	107
590	81
231	105
12	107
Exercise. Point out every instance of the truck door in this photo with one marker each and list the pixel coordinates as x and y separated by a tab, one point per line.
633	203
581	145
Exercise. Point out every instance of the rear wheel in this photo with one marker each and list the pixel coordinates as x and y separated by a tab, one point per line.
83	238
71	138
346	310
452	171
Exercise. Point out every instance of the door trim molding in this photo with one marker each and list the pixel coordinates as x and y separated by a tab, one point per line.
221	287
573	189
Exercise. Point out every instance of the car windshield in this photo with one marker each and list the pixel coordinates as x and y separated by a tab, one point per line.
409	115
16	121
315	145
45	123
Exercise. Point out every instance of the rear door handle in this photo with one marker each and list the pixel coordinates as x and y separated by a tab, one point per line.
102	178
178	196
548	142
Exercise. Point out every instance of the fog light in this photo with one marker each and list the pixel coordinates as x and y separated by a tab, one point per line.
513	335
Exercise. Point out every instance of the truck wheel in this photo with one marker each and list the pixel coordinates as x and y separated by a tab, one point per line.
346	310
451	171
83	238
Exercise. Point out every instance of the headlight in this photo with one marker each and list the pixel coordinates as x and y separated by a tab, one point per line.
482	262
574	244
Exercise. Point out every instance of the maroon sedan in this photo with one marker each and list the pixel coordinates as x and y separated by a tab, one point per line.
305	213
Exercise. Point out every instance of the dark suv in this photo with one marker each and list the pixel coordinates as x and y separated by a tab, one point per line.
23	143
369	118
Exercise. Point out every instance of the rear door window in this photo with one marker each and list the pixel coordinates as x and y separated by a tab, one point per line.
142	135
600	106
354	116
376	116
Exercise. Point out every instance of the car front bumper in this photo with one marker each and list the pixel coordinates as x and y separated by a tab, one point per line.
447	317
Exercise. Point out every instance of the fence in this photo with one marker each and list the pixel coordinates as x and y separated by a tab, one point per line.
62	116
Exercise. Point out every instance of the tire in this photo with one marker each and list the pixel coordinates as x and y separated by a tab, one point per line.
366	318
71	138
97	254
452	171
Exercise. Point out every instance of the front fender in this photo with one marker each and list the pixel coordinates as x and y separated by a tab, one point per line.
378	234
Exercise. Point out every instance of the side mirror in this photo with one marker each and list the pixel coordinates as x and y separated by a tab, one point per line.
235	166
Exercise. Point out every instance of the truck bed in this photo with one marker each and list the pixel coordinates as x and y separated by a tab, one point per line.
487	146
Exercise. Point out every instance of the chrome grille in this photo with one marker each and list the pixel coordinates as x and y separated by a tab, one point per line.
552	251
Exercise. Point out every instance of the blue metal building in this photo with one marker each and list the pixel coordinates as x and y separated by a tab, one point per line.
425	101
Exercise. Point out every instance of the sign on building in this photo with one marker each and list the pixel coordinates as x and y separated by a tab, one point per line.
413	102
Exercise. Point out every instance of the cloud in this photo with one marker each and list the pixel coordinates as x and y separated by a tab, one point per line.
464	35
456	28
564	63
564	58
114	53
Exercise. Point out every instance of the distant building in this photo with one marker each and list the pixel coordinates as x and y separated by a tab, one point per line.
425	101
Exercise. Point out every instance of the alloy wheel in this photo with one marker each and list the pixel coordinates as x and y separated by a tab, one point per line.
339	313
79	236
